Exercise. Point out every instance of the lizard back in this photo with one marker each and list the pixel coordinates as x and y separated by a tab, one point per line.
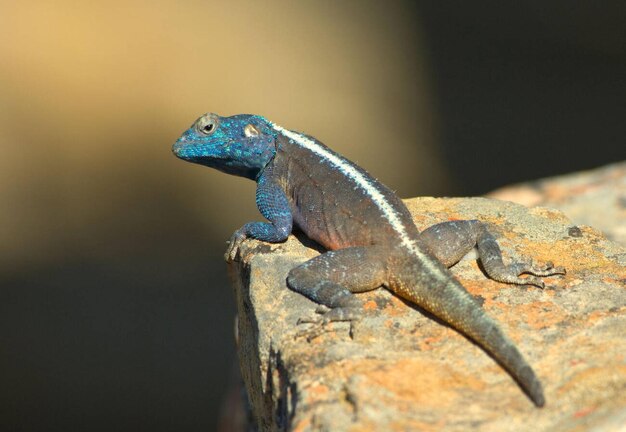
361	211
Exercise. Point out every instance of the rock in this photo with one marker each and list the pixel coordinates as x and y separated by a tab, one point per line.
596	198
399	369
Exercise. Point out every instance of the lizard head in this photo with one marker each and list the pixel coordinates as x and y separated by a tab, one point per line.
241	145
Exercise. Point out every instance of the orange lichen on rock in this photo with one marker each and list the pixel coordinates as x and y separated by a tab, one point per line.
541	314
370	305
397	368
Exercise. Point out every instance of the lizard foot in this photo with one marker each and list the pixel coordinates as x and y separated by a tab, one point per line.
324	315
235	243
315	318
349	313
534	272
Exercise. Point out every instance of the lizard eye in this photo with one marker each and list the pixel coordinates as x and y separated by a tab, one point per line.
250	131
206	125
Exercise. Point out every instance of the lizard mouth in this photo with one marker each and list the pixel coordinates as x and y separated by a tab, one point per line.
179	148
190	151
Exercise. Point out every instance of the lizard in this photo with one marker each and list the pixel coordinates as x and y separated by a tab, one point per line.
368	232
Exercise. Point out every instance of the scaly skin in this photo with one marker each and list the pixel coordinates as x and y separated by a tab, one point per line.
370	235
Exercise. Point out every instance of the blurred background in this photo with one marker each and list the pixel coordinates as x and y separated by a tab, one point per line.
115	309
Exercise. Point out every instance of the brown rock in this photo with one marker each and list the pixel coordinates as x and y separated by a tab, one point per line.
398	369
596	198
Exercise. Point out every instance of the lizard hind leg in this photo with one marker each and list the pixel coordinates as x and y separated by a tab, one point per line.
331	279
451	241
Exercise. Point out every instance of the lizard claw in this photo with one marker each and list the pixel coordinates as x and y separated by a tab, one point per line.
234	244
350	314
513	273
548	269
315	330
317	318
312	319
312	332
324	316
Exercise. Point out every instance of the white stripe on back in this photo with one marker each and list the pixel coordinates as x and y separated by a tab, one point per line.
363	182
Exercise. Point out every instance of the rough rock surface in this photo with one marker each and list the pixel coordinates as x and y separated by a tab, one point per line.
596	197
398	369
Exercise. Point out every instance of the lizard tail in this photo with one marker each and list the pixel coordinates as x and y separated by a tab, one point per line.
446	298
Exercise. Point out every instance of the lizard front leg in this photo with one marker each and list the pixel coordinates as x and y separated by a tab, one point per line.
331	279
274	206
451	241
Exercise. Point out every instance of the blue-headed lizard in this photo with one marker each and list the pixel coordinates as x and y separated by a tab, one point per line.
368	231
